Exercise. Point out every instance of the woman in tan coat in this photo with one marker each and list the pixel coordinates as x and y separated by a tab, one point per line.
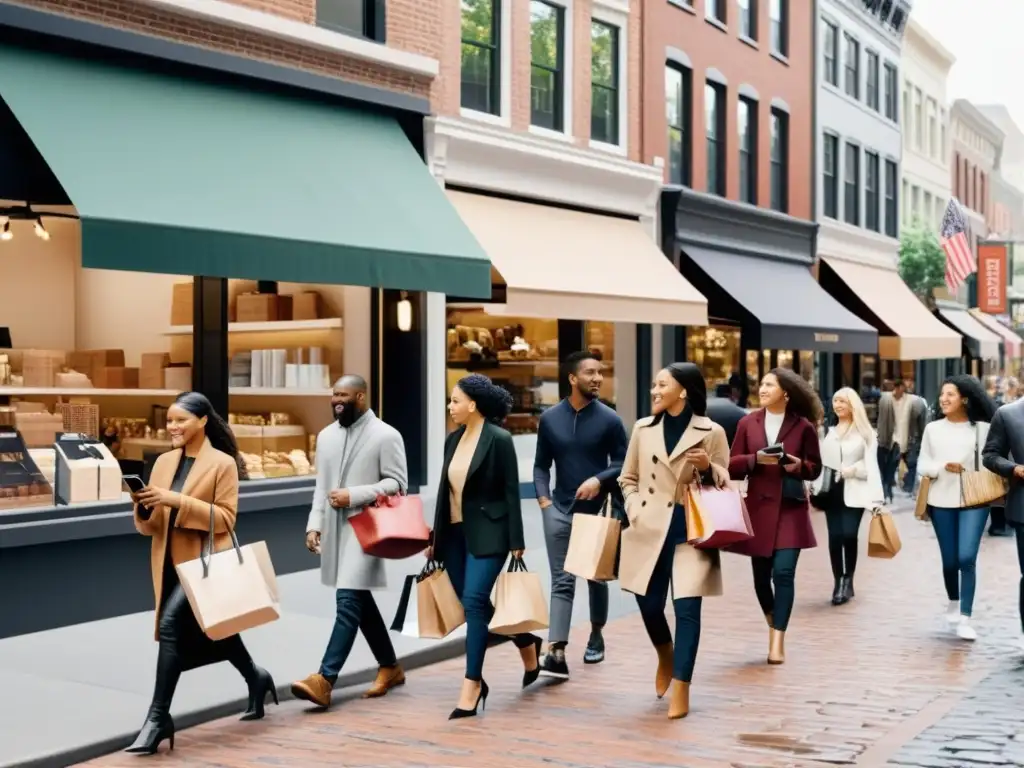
189	484
676	446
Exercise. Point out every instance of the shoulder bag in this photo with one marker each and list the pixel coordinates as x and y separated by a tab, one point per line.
980	487
829	493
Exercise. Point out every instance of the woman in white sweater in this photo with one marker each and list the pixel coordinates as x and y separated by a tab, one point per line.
951	445
850	451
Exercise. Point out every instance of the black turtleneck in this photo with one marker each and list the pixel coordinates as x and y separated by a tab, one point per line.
674	426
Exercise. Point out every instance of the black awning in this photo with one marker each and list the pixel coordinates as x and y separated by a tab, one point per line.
792	310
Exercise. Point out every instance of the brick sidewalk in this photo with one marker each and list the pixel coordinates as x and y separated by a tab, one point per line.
863	684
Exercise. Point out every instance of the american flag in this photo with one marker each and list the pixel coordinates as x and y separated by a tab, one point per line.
960	261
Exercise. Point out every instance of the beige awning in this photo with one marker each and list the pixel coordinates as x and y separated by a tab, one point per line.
914	333
579	266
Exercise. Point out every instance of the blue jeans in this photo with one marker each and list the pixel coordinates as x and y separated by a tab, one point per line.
686	609
910	479
959	533
356	612
888	466
775	585
473	578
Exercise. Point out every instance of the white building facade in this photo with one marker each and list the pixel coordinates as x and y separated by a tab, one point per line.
927	150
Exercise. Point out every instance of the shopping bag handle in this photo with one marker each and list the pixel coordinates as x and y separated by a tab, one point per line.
208	549
431	567
517	565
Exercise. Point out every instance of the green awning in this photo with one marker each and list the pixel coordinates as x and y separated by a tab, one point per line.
198	178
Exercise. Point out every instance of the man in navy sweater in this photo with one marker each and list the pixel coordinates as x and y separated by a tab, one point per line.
586	441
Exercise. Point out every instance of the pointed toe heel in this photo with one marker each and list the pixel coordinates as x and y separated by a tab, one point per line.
530	676
154	731
260	687
481	703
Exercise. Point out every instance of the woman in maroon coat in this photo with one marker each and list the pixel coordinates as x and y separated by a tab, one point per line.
776	494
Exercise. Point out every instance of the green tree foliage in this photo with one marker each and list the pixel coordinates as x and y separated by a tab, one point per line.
544	38
603	54
478	21
922	262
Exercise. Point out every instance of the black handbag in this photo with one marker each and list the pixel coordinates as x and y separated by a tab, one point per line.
830	494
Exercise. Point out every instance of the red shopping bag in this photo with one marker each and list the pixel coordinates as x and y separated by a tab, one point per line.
716	517
392	528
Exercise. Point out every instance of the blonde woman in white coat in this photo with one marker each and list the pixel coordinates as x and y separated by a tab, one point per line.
950	446
850	449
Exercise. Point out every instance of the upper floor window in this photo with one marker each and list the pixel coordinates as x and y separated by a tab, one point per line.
547	65
604	82
481	56
851	187
872	196
933	129
779	14
944	140
851	66
678	114
780	161
362	18
715	10
747	124
871	91
891	221
831	48
830	176
748	18
890	93
714	130
918	119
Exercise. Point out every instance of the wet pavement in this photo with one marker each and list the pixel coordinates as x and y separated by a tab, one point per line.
879	682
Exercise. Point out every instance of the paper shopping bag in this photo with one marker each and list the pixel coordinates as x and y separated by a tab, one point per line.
406	621
921	503
883	538
594	545
438	609
233	590
519	601
715	517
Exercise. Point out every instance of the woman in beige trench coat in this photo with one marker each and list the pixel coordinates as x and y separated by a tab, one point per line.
676	446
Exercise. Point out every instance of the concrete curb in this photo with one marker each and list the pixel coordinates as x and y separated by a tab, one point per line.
442	650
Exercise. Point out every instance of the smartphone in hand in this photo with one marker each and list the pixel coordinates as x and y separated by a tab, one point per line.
133	483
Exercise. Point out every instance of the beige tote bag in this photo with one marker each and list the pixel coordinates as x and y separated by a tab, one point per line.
594	545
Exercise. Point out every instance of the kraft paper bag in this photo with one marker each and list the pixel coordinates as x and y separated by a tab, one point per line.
594	545
921	503
883	538
438	609
519	602
233	590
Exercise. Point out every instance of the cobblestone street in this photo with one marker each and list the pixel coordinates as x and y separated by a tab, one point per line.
873	683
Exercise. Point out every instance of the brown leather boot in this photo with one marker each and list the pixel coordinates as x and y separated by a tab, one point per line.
387	678
663	679
316	689
777	647
679	700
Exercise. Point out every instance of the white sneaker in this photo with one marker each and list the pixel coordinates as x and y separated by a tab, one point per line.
964	630
952	614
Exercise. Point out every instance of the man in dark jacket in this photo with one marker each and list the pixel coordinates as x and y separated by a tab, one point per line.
724	411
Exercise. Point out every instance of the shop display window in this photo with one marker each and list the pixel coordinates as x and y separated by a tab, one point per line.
600	341
716	351
520	354
113	349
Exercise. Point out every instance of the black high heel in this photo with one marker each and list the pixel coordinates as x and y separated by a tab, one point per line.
481	702
155	730
530	676
258	690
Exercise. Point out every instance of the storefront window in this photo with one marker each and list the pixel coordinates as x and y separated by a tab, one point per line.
716	351
113	349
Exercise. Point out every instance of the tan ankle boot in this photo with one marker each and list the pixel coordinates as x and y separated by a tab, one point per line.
679	700
777	647
387	678
315	689
663	679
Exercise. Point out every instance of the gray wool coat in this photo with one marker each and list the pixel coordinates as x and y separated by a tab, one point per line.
368	459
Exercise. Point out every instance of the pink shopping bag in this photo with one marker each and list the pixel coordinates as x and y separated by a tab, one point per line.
716	517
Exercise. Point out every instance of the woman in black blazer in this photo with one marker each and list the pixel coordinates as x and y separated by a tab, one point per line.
478	522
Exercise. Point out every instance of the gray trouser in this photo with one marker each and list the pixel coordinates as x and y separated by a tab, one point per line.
557	527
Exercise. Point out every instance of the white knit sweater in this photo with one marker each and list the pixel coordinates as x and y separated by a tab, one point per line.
943	442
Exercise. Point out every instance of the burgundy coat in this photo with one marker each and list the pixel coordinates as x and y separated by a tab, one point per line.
778	524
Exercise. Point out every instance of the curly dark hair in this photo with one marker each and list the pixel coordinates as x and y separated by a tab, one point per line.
803	400
493	402
980	407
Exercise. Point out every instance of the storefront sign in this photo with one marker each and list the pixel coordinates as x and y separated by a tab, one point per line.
827	338
992	279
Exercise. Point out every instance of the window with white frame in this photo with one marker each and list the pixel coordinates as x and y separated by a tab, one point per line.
547	65
918	119
714	10
780	161
933	129
831	52
604	82
851	188
748	18
678	115
778	12
871	95
714	131
830	175
851	66
890	93
872	197
892	224
746	121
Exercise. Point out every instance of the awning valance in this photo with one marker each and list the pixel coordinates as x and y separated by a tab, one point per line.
1011	341
206	178
909	330
982	343
584	266
793	311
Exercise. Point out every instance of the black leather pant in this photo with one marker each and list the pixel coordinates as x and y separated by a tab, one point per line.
184	646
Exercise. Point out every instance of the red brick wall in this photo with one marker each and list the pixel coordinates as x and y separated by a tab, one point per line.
708	46
411	27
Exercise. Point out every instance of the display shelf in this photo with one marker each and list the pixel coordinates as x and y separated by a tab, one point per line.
94	392
281	326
